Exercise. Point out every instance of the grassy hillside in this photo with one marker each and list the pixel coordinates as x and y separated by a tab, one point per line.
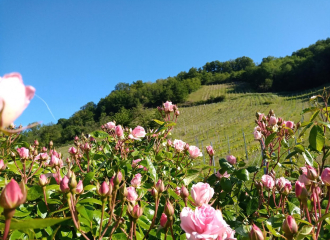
223	124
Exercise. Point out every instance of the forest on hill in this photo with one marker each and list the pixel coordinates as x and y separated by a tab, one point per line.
127	103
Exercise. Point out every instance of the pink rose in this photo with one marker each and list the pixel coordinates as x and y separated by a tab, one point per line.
257	135
203	223
178	190
23	152
163	220
103	189
119	131
139	132
14	98
289	124
261	116
231	159
267	181
134	162
57	177
219	175
210	151
110	125
72	150
64	185
303	178
80	187
136	181
301	191
168	106
229	234
201	193
280	182
43	181
325	176
131	194
13	195
54	161
179	145
2	165
272	121
194	152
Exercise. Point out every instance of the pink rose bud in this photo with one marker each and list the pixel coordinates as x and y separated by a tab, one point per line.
134	162
2	165
325	176
210	151
194	152
312	174
289	124
86	147
286	189
260	117
169	142
57	178
139	132
179	145
178	190
36	143
72	150
119	131
23	152
44	149
280	183
163	220
160	186
201	193
303	178
13	195
43	181
14	98
219	175
267	181
301	191
177	113
131	194
168	107
80	187
184	193
257	135
186	147
136	181
289	226
51	143
169	210
76	138
256	233
154	193
54	161
64	185
272	121
117	178
137	211
231	159
104	189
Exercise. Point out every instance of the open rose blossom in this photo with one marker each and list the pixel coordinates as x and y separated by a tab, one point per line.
267	181
210	150
203	223
119	131
201	193
325	176
139	132
23	152
110	125
194	152
179	145
14	98
136	181
13	195
168	106
132	195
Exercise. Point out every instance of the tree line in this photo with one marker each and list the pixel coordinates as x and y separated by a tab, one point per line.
128	104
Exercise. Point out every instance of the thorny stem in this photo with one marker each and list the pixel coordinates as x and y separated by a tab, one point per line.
45	199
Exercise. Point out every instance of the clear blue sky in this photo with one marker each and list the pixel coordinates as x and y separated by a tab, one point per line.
74	52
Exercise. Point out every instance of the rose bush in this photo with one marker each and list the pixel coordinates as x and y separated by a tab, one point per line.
139	184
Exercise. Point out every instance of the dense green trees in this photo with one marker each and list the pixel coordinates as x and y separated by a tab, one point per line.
127	103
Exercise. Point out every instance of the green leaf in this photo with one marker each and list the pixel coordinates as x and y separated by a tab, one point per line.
299	148
271	229
99	134
12	167
35	223
193	174
88	178
119	236
305	129
16	235
324	124
311	109
314	115
293	209
158	122
243	174
252	169
270	138
308	158
324	217
82	210
291	154
316	138
305	231
151	169
90	200
225	184
252	206
34	193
